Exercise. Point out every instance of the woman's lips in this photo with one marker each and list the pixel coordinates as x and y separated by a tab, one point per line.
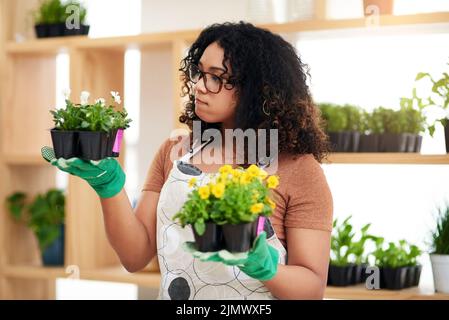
198	101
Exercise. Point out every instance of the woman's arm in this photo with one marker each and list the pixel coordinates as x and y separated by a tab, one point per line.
131	234
305	275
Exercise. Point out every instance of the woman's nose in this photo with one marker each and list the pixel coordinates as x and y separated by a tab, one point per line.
200	86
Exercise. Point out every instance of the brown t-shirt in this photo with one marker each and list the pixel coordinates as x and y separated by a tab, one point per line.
303	198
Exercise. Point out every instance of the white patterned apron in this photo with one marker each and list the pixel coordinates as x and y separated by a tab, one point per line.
185	277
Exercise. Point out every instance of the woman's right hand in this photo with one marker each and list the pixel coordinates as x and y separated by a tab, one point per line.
105	176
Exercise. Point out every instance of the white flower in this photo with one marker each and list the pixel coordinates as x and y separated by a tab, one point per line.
101	101
116	97
66	92
84	97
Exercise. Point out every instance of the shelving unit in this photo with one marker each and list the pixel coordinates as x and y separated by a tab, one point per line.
27	93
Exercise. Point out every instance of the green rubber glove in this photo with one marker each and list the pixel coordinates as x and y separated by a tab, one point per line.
260	262
105	176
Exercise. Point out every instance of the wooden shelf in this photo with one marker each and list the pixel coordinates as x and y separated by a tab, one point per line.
55	45
387	158
113	274
360	292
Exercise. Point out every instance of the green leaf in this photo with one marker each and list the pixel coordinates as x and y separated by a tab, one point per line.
421	75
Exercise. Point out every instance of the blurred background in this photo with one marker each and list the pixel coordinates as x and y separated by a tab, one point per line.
357	56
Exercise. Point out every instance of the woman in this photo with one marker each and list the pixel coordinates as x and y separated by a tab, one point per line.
236	76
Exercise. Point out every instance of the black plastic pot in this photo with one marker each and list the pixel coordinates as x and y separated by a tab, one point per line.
354	141
356	274
340	141
239	237
393	142
65	143
95	145
56	29
41	30
418	142
413	276
363	274
369	143
411	142
340	276
53	255
82	30
394	278
446	135
211	240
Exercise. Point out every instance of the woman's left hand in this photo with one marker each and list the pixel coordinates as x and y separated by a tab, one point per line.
259	263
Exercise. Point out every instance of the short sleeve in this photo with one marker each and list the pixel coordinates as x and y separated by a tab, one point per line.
156	174
310	204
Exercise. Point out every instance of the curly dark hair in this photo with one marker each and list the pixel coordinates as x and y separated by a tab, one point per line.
268	75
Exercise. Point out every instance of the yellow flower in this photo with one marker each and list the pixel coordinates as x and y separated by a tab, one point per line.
256	208
226	169
192	182
218	190
236	173
271	203
245	178
253	170
204	192
272	182
223	177
262	174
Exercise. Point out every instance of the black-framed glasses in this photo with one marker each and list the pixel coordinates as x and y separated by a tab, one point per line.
212	82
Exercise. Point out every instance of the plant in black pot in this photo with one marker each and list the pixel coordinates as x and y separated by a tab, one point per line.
394	262
45	217
415	122
89	131
75	19
228	211
353	127
335	124
360	255
340	268
393	139
371	129
55	18
436	102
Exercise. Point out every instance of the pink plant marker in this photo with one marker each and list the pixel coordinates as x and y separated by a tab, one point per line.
118	141
260	224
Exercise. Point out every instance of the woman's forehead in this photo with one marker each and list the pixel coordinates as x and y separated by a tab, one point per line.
212	58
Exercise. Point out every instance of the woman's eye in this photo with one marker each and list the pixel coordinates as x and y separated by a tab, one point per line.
216	79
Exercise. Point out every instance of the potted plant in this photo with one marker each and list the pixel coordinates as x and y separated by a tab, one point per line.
393	139
413	267
360	256
45	217
394	264
89	131
340	269
438	100
414	124
439	255
353	127
371	129
227	212
75	19
335	124
53	19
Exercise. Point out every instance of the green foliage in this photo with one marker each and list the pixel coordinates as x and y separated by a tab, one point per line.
344	249
334	117
440	236
95	117
414	119
232	197
43	216
353	116
395	255
437	97
55	11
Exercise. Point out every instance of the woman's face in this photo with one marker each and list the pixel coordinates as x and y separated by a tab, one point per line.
215	107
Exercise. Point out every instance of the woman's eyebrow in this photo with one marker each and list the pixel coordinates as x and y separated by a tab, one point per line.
212	68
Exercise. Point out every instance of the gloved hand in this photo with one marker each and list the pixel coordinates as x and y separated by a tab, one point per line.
260	262
105	176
